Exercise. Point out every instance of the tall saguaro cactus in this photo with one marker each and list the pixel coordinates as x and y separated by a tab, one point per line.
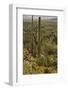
39	23
35	41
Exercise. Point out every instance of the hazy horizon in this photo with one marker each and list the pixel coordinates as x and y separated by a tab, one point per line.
29	17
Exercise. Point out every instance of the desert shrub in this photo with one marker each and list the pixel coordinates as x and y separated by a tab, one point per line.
27	68
49	48
46	70
53	69
38	70
52	60
42	61
50	70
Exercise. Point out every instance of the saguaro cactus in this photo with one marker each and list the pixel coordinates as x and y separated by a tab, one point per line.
35	42
39	23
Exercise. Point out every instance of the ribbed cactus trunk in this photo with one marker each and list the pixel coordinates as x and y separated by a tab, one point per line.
39	23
